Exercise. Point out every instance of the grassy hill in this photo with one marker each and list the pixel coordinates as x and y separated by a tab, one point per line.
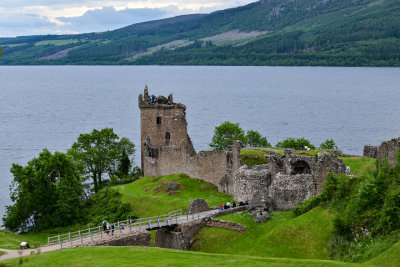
140	256
283	32
149	196
283	236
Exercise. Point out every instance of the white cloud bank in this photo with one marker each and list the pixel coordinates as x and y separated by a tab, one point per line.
26	17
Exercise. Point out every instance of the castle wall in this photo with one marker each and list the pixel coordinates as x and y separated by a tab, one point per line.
210	166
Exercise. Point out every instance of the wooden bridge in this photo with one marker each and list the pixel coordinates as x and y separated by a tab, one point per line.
96	235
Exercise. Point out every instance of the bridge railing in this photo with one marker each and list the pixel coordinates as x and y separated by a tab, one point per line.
97	232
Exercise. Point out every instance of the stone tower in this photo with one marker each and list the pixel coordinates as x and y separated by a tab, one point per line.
162	124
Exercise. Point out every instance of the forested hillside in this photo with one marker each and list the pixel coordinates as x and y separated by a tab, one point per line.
267	32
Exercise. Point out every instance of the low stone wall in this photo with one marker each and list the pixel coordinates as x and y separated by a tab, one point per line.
210	222
141	238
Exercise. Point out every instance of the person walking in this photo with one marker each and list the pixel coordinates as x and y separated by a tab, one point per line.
112	228
104	225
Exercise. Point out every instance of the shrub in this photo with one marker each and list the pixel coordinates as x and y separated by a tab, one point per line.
328	144
342	228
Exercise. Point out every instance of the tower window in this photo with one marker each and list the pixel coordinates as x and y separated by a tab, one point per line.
158	120
167	138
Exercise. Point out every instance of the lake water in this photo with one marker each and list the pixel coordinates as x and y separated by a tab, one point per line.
49	106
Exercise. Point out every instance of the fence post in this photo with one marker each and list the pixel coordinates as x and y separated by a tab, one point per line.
158	220
69	235
58	237
140	223
148	222
61	244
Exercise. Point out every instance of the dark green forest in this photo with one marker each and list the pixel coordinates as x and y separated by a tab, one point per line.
300	33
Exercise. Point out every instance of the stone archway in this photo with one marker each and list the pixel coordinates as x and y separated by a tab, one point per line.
301	167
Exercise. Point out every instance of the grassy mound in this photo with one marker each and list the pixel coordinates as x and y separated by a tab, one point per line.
390	257
149	196
284	235
10	240
141	256
253	157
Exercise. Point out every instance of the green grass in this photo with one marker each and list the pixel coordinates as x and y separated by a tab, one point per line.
10	240
390	257
148	196
280	151
253	157
310	152
142	256
284	235
360	166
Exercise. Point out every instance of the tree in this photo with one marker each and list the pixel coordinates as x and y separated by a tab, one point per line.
99	153
46	193
328	144
254	139
295	143
226	134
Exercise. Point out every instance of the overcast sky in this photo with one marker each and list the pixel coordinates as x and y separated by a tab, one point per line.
32	17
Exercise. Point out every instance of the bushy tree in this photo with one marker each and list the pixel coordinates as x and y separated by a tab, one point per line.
295	143
46	193
225	134
255	139
328	144
100	153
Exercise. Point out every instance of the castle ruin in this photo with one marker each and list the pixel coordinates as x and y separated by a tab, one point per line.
167	149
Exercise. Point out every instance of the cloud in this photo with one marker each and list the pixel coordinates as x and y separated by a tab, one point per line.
107	18
26	17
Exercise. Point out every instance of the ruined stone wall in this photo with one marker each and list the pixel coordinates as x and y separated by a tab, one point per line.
215	167
371	151
286	179
181	237
210	166
388	149
140	238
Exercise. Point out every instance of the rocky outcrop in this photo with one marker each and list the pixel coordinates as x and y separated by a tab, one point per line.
387	150
172	186
197	205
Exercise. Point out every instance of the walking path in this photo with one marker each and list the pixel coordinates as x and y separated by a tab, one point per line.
97	236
